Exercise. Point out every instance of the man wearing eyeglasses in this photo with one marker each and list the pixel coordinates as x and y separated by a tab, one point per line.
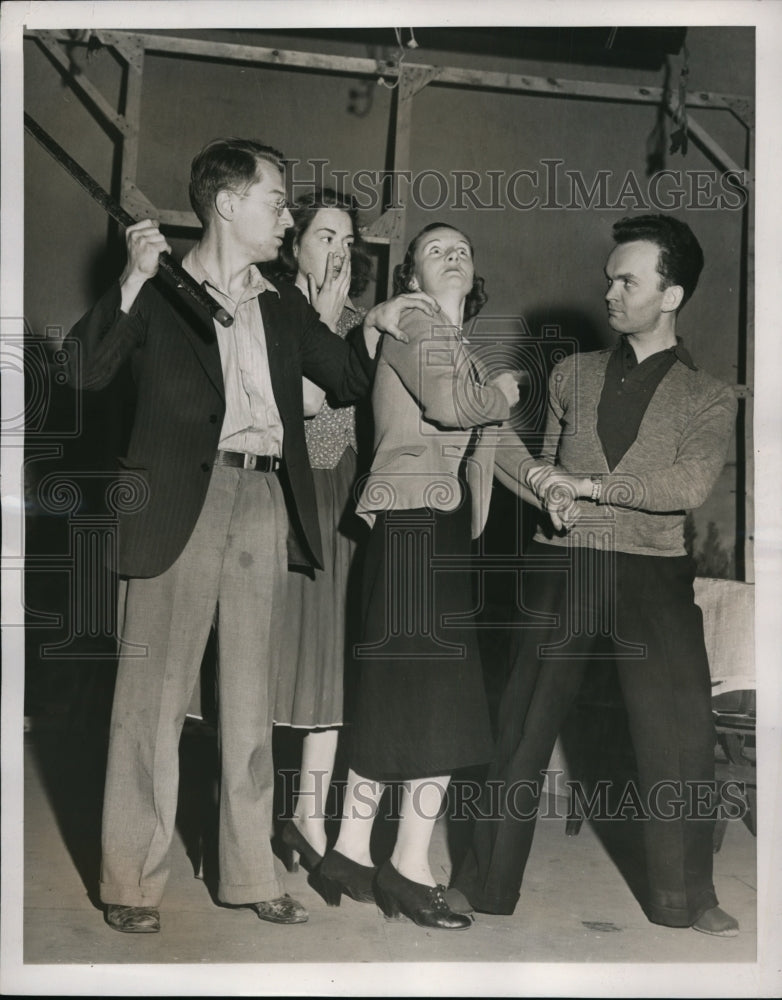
217	459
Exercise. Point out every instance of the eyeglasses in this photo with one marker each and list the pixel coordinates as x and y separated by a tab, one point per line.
280	206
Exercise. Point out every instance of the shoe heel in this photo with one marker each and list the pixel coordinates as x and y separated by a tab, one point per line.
198	860
388	905
329	889
289	857
296	848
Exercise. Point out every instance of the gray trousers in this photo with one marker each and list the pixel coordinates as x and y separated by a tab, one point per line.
235	561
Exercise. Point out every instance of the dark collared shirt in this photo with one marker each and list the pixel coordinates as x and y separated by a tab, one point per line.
627	391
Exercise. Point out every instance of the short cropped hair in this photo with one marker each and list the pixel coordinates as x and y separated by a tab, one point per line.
476	298
227	164
680	258
303	211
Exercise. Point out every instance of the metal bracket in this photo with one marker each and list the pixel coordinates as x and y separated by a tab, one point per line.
136	203
128	46
742	109
413	79
386	228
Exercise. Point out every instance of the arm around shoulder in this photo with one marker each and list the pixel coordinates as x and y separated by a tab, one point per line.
437	371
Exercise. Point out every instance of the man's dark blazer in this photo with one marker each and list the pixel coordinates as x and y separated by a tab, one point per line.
172	349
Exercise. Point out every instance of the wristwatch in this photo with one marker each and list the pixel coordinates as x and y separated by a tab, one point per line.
597	488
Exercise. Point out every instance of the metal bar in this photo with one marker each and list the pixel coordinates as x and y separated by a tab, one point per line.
402	116
116	211
481	79
134	63
702	137
445	75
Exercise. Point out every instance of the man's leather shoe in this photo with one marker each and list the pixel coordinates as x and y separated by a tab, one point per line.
458	902
717	923
133	919
283	910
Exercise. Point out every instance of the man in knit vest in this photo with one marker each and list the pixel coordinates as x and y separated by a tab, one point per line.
635	437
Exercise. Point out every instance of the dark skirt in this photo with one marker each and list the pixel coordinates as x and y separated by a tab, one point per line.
421	709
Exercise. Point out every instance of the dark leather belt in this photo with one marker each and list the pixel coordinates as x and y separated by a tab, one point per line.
241	460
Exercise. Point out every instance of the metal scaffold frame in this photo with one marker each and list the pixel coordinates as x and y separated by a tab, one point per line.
131	48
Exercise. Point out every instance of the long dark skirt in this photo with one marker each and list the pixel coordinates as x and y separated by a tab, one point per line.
421	709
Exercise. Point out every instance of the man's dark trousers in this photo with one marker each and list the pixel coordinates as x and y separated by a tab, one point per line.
574	599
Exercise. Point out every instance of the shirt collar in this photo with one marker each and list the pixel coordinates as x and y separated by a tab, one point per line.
683	355
679	351
257	281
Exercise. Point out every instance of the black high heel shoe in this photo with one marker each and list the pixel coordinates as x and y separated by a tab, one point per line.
423	904
297	846
338	874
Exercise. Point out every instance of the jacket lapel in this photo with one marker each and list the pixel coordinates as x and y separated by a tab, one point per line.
199	331
277	346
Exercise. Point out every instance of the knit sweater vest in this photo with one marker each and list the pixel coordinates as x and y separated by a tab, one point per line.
669	469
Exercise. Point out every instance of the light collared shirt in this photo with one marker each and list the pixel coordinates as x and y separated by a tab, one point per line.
252	421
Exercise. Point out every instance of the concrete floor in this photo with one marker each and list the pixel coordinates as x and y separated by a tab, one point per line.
576	907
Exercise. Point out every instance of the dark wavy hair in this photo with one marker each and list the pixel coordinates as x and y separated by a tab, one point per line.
476	298
304	211
227	164
680	257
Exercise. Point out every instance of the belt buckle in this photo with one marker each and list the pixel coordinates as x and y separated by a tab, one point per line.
250	461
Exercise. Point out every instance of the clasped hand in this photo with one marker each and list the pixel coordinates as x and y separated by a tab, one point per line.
508	384
557	492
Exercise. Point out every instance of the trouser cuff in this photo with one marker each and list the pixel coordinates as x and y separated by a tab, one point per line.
130	895
243	895
485	902
681	916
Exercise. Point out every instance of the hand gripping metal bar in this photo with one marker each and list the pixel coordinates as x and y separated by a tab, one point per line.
116	211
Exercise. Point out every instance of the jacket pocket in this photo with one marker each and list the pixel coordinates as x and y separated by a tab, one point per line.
131	490
391	457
